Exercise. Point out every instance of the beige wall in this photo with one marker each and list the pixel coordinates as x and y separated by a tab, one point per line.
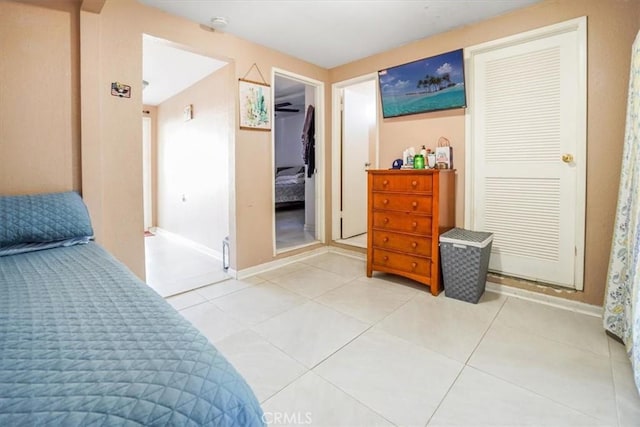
113	46
193	161
111	137
39	97
612	26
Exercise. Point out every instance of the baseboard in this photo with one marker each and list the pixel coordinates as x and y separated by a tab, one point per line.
277	263
190	243
577	306
347	252
272	265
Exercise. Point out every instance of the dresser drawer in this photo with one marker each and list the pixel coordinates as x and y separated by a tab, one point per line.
408	182
401	221
402	242
403	202
402	262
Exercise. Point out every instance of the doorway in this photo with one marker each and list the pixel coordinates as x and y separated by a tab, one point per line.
355	151
186	171
526	152
296	164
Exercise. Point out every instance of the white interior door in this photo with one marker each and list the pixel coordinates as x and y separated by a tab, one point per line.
358	127
528	145
146	171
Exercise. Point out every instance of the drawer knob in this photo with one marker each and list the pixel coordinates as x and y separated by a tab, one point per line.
414	264
414	204
414	183
385	240
385	201
386	258
414	245
385	182
386	220
414	224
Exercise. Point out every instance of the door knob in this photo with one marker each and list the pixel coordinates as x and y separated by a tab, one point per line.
567	158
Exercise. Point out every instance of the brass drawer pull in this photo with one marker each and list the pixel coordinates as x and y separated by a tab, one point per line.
385	201
414	183
414	204
414	245
414	265
414	224
385	240
385	182
386	220
386	258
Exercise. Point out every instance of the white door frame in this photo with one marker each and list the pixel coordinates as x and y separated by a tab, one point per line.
578	25
319	159
147	172
336	145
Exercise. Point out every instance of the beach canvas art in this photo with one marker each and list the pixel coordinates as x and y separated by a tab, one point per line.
429	84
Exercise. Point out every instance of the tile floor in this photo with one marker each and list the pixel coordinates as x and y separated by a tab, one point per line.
322	345
173	268
359	241
290	230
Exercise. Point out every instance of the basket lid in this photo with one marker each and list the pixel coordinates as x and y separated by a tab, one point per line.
478	239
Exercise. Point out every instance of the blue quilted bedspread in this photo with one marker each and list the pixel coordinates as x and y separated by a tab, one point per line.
83	342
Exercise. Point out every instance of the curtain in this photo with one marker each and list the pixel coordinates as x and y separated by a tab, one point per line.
622	298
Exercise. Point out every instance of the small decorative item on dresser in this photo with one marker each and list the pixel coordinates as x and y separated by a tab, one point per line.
418	161
431	160
444	154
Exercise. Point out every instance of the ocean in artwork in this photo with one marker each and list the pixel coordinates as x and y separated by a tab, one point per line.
418	102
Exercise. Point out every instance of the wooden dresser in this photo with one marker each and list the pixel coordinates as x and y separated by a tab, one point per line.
408	210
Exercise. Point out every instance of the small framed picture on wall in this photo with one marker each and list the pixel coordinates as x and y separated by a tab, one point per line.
255	105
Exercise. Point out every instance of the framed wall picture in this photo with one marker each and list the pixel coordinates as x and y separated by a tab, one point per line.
255	105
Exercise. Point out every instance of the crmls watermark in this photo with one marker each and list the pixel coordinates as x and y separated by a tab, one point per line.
289	418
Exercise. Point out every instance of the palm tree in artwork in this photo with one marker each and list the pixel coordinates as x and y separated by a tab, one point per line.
438	83
447	78
435	84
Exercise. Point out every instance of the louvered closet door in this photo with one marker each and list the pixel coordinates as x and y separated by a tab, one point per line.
526	115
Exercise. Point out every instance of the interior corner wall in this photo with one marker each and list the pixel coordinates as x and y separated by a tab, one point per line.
39	97
153	115
193	166
611	29
112	131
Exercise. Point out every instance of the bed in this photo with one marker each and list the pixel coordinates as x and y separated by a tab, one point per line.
84	342
289	186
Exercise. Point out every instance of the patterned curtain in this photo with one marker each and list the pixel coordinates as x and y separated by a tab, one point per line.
622	299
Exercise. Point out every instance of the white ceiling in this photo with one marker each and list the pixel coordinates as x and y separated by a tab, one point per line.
169	69
330	33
